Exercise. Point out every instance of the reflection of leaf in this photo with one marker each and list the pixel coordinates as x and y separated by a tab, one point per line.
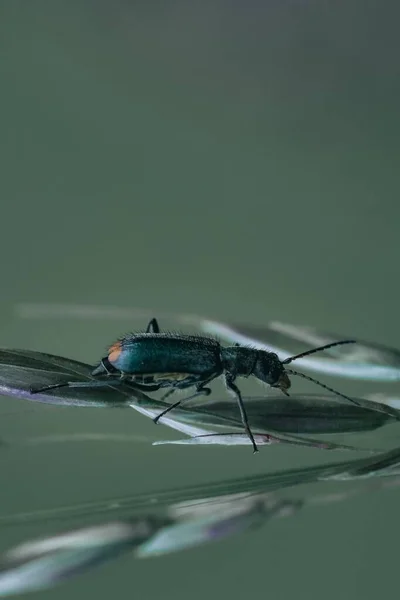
364	360
22	370
45	562
69	438
384	463
42	563
211	521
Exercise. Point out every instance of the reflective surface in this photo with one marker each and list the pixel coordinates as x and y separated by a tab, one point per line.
237	162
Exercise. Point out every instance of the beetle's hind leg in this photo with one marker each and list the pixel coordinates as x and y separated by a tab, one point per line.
74	384
167	394
229	379
153	326
201	391
47	388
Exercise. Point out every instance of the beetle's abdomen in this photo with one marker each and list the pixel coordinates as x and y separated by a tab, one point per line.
165	353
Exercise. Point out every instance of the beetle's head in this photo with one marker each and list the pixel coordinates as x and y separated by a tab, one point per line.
283	382
269	369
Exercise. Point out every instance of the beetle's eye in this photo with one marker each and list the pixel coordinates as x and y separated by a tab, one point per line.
275	372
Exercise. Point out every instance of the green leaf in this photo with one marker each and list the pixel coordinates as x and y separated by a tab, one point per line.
24	370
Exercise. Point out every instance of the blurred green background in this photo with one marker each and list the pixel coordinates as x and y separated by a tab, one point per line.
232	159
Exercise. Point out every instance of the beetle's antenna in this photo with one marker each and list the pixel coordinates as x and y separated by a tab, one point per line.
319	349
291	372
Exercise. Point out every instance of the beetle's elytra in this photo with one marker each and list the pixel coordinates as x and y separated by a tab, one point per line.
153	360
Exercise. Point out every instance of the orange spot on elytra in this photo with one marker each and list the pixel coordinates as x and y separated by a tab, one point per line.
114	352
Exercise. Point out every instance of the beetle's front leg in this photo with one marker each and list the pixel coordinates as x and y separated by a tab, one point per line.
229	380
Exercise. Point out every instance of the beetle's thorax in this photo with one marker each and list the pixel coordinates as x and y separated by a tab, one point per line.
238	360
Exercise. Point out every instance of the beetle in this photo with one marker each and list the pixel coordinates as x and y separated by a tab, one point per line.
153	360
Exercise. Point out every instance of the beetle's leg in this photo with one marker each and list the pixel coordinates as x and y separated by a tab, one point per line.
96	383
75	384
164	412
170	391
142	386
230	384
153	326
201	391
